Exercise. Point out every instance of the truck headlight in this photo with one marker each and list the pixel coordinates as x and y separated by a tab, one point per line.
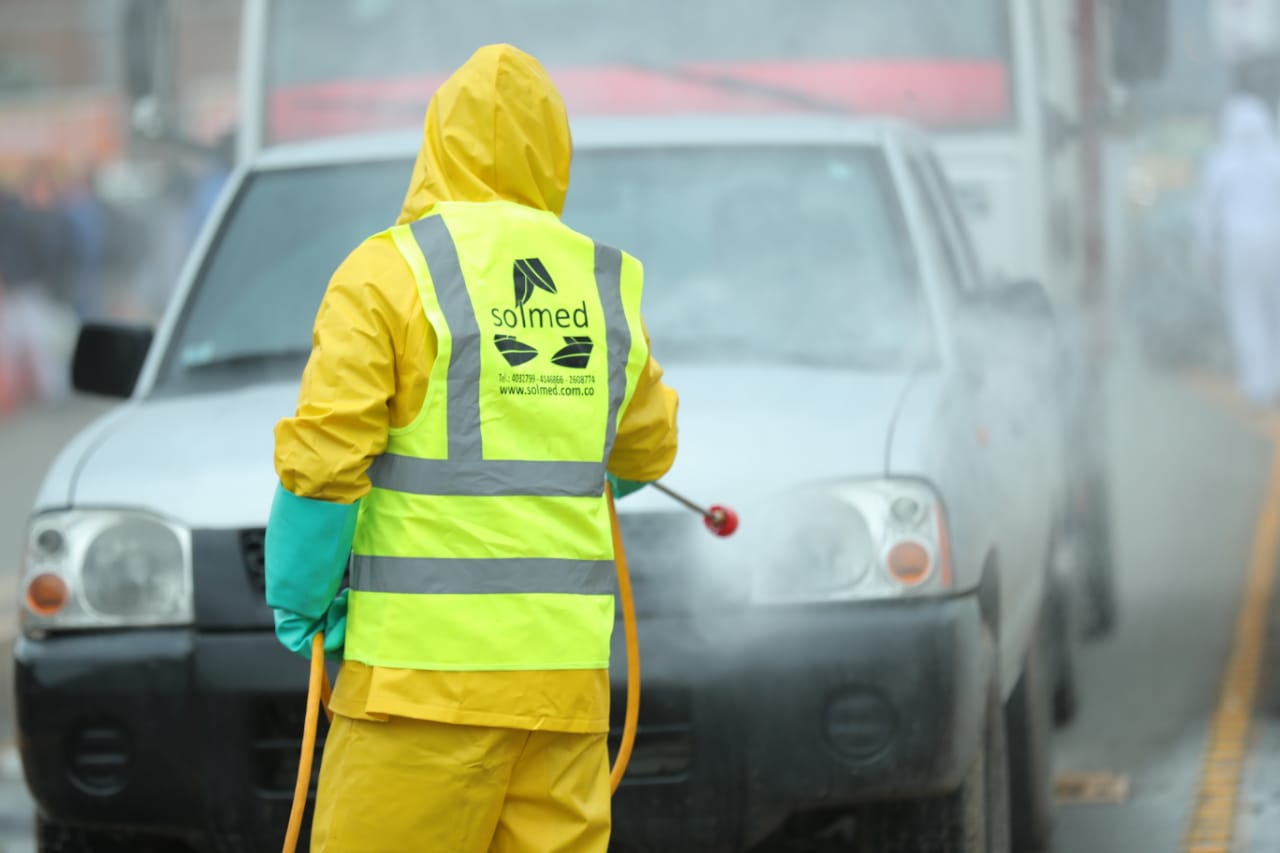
812	547
102	569
852	540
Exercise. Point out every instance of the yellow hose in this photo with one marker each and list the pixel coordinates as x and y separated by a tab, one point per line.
633	651
317	691
318	694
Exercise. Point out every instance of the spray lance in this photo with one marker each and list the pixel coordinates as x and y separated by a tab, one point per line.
719	520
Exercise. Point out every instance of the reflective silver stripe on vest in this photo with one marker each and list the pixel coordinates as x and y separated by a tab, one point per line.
442	576
464	365
466	473
618	332
487	478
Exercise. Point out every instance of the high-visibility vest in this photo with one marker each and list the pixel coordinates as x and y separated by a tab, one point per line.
485	541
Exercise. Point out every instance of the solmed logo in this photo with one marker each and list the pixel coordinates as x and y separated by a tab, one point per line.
528	275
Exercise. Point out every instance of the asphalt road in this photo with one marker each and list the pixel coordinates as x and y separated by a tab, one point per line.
1190	466
1191	470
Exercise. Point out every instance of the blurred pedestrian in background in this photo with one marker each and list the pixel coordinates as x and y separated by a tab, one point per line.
36	327
1240	240
46	233
87	231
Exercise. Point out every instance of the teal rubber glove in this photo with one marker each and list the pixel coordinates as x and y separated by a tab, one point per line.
295	632
622	488
307	549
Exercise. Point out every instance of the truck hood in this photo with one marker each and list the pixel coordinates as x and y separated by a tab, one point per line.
206	461
751	431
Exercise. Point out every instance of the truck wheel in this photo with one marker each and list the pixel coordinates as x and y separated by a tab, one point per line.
972	819
1095	551
1029	729
1062	672
993	814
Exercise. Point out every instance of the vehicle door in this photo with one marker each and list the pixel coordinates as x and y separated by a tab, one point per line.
1005	396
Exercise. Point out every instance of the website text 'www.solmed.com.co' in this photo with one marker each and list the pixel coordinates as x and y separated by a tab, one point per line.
547	390
533	385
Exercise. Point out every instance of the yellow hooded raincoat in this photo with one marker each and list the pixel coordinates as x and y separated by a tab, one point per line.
495	131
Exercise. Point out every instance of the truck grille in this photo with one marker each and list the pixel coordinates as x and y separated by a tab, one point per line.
275	743
253	549
664	735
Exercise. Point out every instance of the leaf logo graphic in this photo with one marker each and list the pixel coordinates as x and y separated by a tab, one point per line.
527	274
575	353
515	352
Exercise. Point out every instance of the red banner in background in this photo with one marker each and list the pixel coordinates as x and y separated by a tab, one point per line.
934	93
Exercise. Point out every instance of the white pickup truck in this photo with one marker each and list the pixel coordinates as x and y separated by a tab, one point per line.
868	665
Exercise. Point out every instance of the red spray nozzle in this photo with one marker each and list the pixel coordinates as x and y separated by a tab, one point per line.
720	520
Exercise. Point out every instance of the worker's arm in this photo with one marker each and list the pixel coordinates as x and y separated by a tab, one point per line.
645	447
323	453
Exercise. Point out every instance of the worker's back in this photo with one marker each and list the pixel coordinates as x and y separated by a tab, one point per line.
475	370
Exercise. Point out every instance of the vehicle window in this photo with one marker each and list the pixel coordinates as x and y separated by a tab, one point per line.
951	209
940	237
751	255
254	302
765	255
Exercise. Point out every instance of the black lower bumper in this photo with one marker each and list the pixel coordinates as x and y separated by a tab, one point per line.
747	717
172	732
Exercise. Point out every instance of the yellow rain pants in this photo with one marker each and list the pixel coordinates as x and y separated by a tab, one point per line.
413	786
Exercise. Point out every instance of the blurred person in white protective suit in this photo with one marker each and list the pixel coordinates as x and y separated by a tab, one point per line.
1240	240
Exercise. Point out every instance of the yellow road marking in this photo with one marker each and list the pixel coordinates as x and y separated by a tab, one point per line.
1223	395
1213	821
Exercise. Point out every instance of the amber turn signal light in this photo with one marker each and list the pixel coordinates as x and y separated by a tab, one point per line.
910	563
46	594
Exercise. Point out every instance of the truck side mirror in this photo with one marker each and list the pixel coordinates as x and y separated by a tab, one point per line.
1024	299
1139	39
1010	322
109	358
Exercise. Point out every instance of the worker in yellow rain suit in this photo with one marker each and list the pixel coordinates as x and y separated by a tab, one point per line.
477	371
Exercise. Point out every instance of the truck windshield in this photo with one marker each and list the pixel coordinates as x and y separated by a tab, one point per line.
333	66
752	255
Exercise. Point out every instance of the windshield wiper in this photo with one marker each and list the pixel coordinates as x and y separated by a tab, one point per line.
740	86
248	358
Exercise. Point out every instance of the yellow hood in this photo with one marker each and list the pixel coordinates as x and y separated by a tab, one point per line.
496	130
